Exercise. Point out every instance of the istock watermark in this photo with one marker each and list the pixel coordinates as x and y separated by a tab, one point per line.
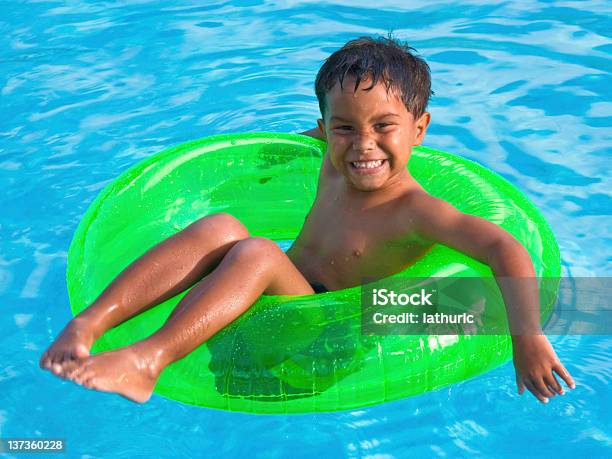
450	306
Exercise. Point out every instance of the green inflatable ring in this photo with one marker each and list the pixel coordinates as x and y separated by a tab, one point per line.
292	354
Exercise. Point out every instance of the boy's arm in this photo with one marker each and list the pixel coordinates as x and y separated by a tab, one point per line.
534	358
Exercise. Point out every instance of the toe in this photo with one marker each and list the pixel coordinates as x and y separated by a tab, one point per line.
81	372
82	377
48	362
56	368
89	381
43	360
63	358
53	359
69	369
78	378
81	351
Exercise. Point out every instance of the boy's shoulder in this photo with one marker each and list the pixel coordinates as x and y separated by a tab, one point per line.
417	199
422	209
410	216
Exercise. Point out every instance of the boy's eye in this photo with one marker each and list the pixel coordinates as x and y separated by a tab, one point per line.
347	128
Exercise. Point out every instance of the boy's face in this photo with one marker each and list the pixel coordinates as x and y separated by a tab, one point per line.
370	134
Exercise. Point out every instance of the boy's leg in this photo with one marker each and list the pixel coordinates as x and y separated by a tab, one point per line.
252	267
167	269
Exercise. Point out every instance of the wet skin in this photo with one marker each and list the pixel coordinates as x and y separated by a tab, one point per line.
357	228
370	219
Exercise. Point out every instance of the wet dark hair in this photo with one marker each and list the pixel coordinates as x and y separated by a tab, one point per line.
384	58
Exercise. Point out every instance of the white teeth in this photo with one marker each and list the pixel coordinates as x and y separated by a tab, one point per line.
367	164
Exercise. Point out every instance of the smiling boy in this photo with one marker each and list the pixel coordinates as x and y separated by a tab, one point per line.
372	94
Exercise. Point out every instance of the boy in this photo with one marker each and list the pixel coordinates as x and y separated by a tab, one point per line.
372	96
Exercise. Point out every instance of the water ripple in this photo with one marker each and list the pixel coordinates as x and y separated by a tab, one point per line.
89	88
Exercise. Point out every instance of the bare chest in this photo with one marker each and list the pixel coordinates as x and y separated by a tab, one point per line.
346	247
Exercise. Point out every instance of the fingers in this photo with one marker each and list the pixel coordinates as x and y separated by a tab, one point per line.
520	385
532	388
546	387
553	384
543	388
564	374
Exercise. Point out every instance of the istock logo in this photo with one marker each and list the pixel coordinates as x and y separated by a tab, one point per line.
384	297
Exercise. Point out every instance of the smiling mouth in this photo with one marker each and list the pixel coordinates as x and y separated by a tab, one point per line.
368	167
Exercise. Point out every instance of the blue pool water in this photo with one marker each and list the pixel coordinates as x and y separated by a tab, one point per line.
88	88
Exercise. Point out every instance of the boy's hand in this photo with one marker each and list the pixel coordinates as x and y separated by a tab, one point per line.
534	363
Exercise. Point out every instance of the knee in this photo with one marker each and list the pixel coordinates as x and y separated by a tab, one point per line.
257	249
222	226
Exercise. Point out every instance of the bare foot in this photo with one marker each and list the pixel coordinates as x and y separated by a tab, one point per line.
125	371
74	342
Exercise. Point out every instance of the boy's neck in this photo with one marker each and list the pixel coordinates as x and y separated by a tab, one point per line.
390	191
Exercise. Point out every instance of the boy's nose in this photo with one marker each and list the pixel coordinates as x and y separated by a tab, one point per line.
363	142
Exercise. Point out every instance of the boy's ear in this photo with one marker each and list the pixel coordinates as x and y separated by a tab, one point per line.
421	126
321	126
